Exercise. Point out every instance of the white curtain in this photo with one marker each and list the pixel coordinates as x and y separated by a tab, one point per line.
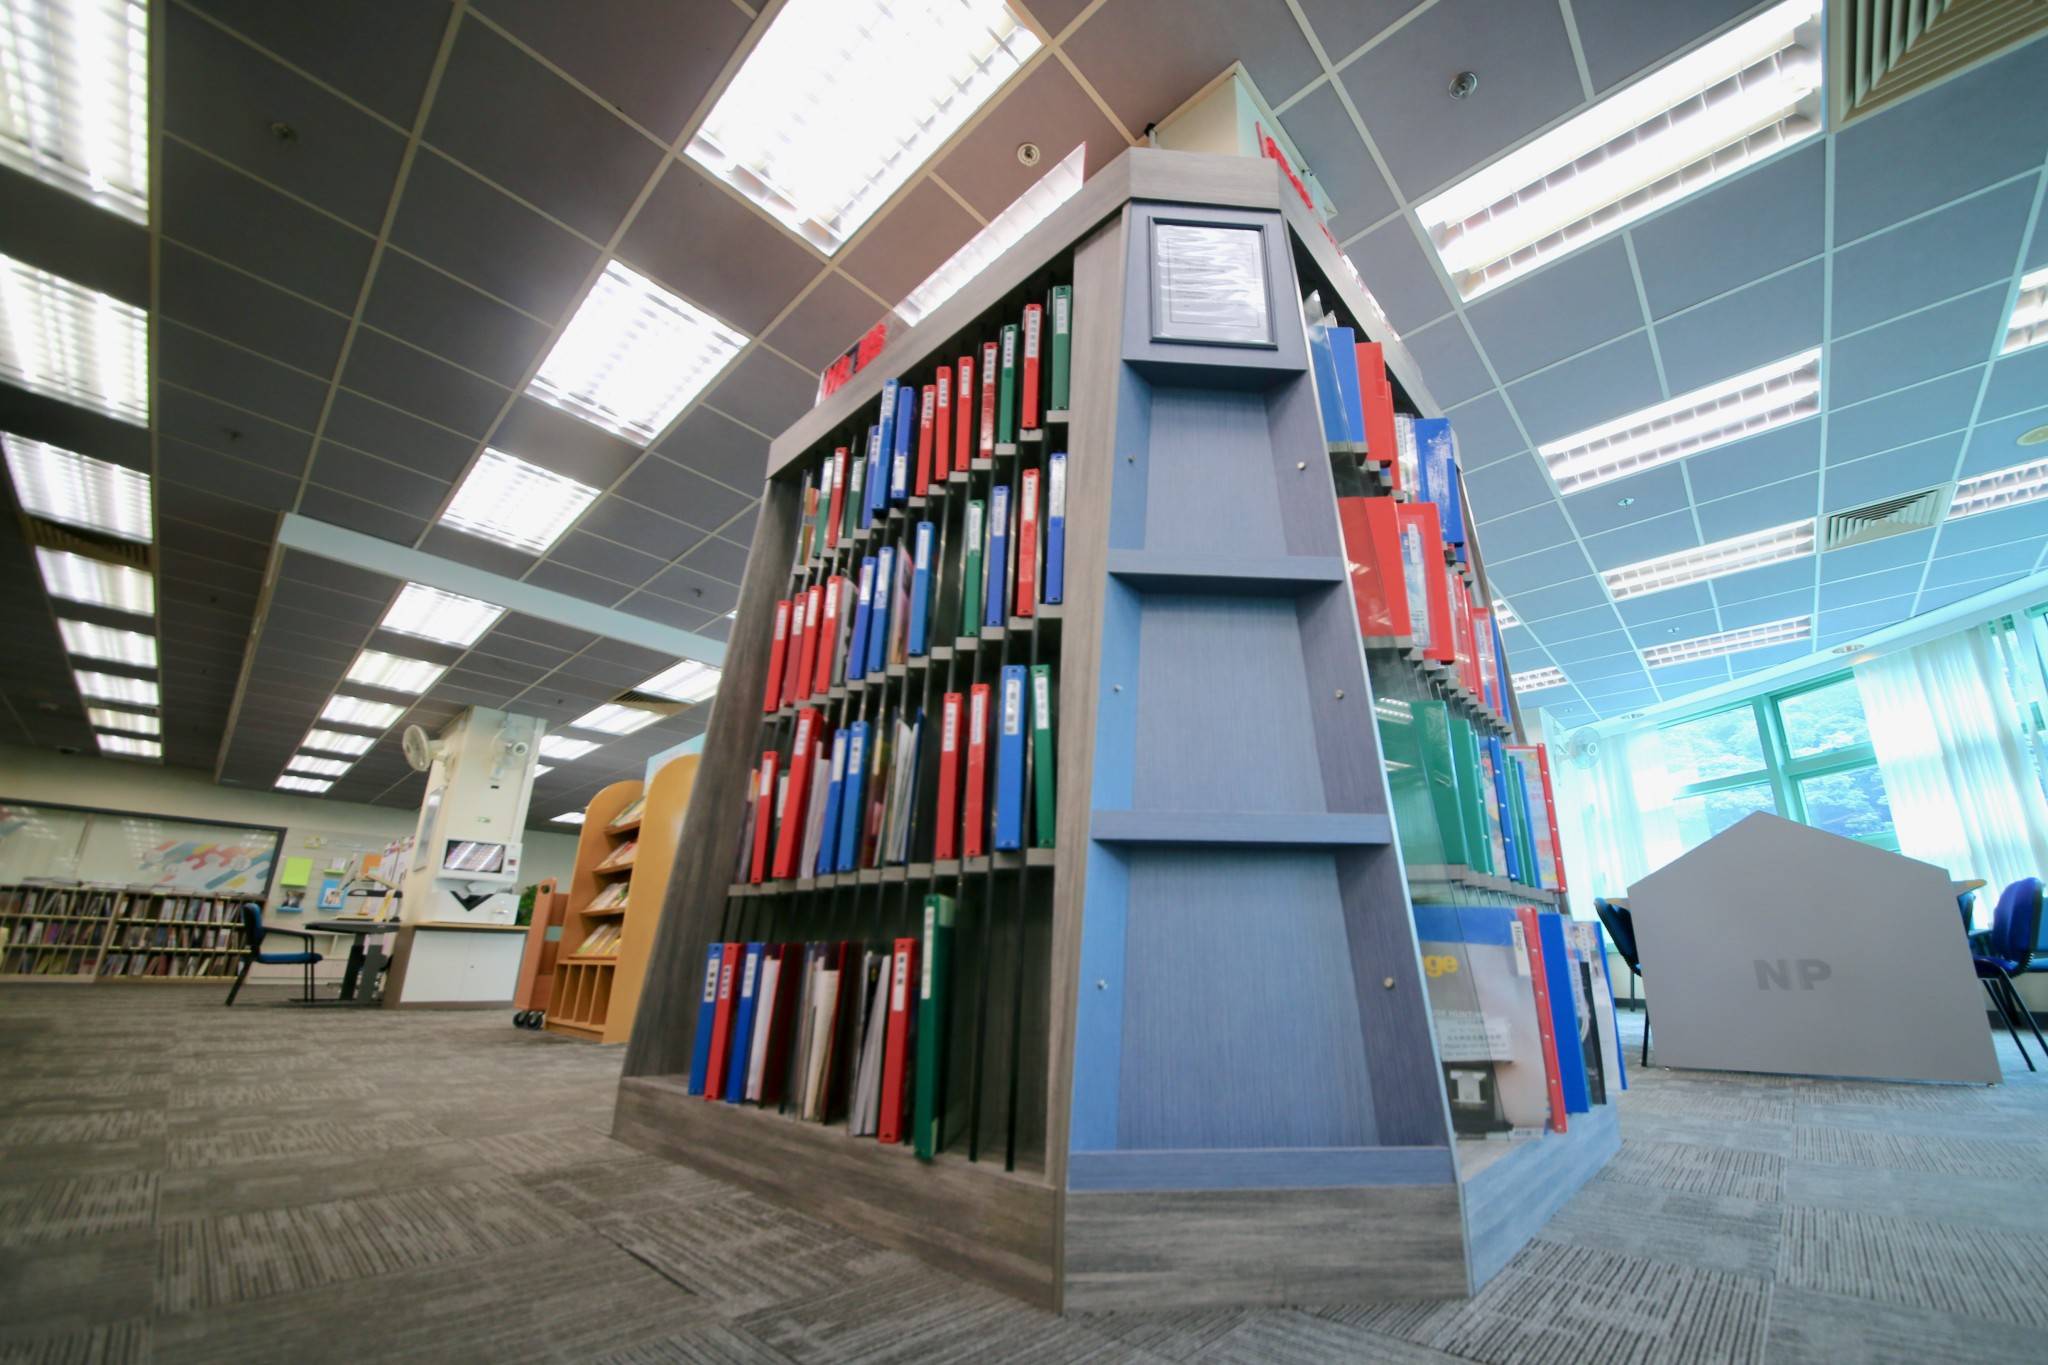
1614	816
1946	728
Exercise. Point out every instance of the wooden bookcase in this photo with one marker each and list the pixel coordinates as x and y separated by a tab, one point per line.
1191	1057
544	930
118	933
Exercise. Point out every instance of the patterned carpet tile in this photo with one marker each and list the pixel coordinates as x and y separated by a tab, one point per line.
1772	1138
74	1282
1710	1106
226	1099
1976	1156
644	1187
1179	1336
1695	1169
1711	1232
1824	1329
534	1153
1967	1272
84	1207
743	1255
1959	1200
106	1343
313	1178
1298	1338
715	1344
70	1130
236	1146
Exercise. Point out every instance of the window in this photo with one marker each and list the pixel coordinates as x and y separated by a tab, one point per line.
1701	817
1708	748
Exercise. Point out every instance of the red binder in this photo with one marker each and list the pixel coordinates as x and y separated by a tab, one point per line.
777	653
828	633
988	401
1532	944
781	1022
1372	554
945	839
802	754
942	424
721	1023
1468	639
1027	541
1034	326
1482	640
963	405
793	649
974	815
1377	395
897	1058
807	656
838	502
927	407
1428	527
764	814
1550	809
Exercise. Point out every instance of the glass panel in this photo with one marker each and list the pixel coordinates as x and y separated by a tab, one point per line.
1851	803
1824	719
1720	745
1700	818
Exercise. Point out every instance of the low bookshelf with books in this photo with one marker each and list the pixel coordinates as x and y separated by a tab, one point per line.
58	932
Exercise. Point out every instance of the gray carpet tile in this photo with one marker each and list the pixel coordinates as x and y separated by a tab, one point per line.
1171	1336
1696	1169
70	1130
1982	1155
1968	1272
313	1178
1297	1338
267	1142
715	1343
1825	1329
85	1207
1965	1201
1710	1231
106	1343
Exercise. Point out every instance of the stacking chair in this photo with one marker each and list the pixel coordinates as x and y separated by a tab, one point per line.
2008	949
254	931
1621	927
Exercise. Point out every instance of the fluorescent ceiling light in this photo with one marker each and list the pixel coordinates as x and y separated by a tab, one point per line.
104	642
634	356
75	578
303	784
1751	92
323	767
1999	488
1503	614
1723	557
447	617
62	485
371	715
2028	325
1537	679
1729	642
130	746
687	681
134	722
115	687
1004	231
563	749
843	101
74	98
73	344
336	742
613	719
569	817
541	768
393	672
516	503
1769	396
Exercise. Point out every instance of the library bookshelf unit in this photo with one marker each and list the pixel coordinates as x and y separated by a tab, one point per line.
87	933
1189	1058
625	854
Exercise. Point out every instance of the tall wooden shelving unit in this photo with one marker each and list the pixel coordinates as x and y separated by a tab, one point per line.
1192	1058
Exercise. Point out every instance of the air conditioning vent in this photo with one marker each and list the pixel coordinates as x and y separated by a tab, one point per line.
1890	517
1885	50
648	701
50	535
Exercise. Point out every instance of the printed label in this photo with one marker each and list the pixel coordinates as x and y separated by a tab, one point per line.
979	718
1009	347
999	507
931	932
867	581
1013	706
1056	486
924	545
949	730
1521	949
1031	334
782	620
1060	304
710	981
931	399
767	778
725	980
747	985
896	1001
973	526
839	758
1041	701
945	388
803	735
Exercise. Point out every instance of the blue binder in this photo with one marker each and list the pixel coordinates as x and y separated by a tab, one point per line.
707	1010
1500	673
1620	1064
1329	396
996	594
1436	458
1564	1014
1054	580
850	794
748	987
926	536
906	436
1010	728
878	472
871	488
1508	840
1344	359
857	641
878	612
828	838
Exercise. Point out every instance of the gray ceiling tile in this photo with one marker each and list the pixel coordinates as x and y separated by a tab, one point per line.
1607	382
764	391
826	323
719	558
1947	337
1643	540
398	436
1580	594
500	645
1865	616
694	588
1506	486
505	115
339	577
545	435
1902	418
1982	568
475	551
195	361
1753	660
680	493
1943	135
1741	465
1400	87
1540	570
1335	154
69	237
216	426
1622	37
227	215
1692	599
1450	363
740	530
652	59
544	632
2024	523
425	307
408	378
372	519
60	423
1400	276
1995	445
1959	248
179	462
690	231
1766	321
228	98
1048	107
1932	598
1773	505
374	480
1209	35
378	51
594	555
450	217
1690	626
1849	592
1344	26
1678	680
2018	382
1522	533
629	523
901	248
1581	301
1757	611
248	312
715	445
1606	645
1733	232
1874	556
1651	494
1486	431
1897	471
1609	675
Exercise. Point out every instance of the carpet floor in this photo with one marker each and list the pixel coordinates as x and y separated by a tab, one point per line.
180	1182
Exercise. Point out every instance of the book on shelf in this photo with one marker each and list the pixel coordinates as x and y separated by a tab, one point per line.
995	559
771	699
898	1058
1030	342
1593	1014
1026	598
900	454
1054	589
871	1020
1437	463
974	795
790	819
1062	348
963	416
919	611
620	858
934	996
921	482
942	423
946	826
1590	948
1010	751
1530	939
1044	784
1479	976
746	994
970	577
986	445
707	1011
1564	1012
629	812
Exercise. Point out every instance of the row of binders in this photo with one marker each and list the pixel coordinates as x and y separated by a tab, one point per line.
849	628
1467	800
852	798
832	1030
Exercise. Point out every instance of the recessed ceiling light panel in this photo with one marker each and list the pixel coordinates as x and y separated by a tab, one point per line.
1729	642
2000	488
1723	557
1537	679
291	783
515	503
686	681
371	715
115	687
844	100
1751	92
134	722
394	673
2028	325
74	98
1004	231
75	578
613	719
319	767
335	742
73	344
565	750
77	490
569	817
447	617
129	747
92	641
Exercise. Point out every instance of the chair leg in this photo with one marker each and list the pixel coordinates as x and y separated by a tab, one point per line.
240	977
2018	1008
1646	1033
2005	1014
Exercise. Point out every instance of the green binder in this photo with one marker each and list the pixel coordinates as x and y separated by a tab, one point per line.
1440	772
1408	783
1006	390
1062	344
929	1104
824	506
1518	809
856	482
1472	796
970	579
1041	756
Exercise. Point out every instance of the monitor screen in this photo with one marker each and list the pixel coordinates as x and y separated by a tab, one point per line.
468	855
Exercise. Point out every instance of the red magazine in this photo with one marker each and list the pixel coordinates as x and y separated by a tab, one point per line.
838	503
1027	542
764	815
790	835
721	1024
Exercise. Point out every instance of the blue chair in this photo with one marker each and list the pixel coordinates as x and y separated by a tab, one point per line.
254	931
2008	949
1621	927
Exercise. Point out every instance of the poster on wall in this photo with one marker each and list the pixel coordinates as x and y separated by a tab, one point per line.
237	864
121	849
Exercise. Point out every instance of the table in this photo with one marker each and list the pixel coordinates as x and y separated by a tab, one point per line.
360	929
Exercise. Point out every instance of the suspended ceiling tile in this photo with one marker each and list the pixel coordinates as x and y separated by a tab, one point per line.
419	304
1939	340
1344	26
63	234
1622	38
383	430
1401	276
544	434
1996	445
1690	599
208	471
1649	495
1450	363
1486	431
680	493
1772	505
649	532
1850	592
1875	556
719	448
2018	383
376	51
690	232
1606	382
452	218
1209	36
379	481
1741	465
1576	304
607	559
244	310
410	379
1521	533
1507	486
901	248
1334	152
1047	107
1543	569
231	217
1891	473
90	433
1734	232
196	361
1946	253
205	422
1901	418
669	612
1753	326
1642	540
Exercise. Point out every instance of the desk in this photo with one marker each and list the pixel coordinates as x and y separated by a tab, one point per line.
360	932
